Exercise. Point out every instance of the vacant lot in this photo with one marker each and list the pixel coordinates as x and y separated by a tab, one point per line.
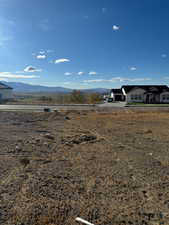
108	168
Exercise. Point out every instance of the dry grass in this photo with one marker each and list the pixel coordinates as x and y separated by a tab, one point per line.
121	177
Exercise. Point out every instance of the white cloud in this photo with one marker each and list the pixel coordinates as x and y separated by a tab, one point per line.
61	61
31	69
94	81
42	52
4	79
115	27
133	68
15	76
67	73
164	55
117	79
80	73
41	56
92	73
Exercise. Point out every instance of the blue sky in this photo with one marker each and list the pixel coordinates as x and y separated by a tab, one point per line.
84	43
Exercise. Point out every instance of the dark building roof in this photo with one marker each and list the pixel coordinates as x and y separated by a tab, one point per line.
147	88
4	86
116	91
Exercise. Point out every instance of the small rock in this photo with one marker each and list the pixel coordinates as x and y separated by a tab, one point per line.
37	140
24	161
148	131
67	118
18	148
49	136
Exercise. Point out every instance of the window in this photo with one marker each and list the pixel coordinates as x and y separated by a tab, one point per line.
165	97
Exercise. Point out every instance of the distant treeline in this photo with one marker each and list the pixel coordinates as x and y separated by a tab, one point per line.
76	97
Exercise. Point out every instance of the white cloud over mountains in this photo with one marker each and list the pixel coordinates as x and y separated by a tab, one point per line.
16	76
117	79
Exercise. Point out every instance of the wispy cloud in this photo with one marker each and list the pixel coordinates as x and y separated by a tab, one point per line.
92	73
164	55
42	52
133	68
86	17
67	82
80	73
104	10
117	79
49	51
67	74
31	69
4	39
41	56
61	60
4	79
115	27
16	76
166	78
95	81
6	31
44	25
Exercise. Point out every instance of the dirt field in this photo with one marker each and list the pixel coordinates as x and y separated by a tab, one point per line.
108	168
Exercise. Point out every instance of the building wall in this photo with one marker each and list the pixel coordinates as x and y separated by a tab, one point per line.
130	97
5	94
112	95
164	97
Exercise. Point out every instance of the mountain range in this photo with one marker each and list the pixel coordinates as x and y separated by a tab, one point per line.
19	87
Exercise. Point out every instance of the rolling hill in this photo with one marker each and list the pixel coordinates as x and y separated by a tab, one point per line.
28	88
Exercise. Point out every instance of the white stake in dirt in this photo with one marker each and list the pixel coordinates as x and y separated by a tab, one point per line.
83	221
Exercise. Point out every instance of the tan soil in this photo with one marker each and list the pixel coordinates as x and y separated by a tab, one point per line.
108	168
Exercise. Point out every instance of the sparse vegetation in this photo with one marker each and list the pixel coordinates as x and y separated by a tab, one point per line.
108	168
76	97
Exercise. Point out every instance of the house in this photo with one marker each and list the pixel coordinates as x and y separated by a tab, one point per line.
117	95
146	93
5	92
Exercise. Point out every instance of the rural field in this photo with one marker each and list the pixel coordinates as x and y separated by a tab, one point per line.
105	167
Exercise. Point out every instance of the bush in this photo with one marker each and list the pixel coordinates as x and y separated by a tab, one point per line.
77	97
94	98
45	99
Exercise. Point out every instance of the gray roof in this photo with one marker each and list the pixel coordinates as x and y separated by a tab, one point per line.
147	88
116	91
4	86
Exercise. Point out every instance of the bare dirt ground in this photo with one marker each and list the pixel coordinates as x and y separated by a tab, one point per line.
108	168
